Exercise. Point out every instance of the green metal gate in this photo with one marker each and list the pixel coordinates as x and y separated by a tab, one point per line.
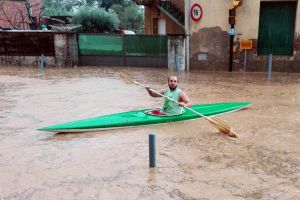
276	28
123	50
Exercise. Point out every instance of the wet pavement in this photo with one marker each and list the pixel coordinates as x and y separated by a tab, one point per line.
193	160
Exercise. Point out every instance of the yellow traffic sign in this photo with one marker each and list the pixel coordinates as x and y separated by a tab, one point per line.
246	44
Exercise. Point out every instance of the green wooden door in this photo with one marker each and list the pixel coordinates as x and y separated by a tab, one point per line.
276	28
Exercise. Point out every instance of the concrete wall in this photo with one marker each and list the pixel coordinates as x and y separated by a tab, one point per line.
66	50
209	38
176	52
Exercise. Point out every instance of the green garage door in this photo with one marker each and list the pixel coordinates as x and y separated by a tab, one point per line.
276	28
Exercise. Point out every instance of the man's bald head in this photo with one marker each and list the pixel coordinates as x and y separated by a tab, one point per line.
173	76
172	82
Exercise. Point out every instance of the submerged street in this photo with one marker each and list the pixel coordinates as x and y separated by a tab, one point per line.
193	160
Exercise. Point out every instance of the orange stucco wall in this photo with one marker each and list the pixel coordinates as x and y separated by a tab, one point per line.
154	13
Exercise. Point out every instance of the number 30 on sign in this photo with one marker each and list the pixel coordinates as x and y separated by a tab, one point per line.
196	12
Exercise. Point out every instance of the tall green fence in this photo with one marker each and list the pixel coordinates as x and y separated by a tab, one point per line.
136	45
92	44
118	45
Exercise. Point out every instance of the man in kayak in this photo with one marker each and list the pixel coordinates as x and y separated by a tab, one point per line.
170	107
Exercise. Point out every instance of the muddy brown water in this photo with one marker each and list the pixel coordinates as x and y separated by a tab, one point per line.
193	160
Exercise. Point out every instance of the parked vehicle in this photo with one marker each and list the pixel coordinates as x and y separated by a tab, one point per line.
123	32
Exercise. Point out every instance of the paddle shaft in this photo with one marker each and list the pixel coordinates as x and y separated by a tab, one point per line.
190	109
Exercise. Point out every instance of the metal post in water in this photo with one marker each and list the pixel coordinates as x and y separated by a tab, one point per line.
231	40
270	67
152	150
177	59
245	60
187	34
42	58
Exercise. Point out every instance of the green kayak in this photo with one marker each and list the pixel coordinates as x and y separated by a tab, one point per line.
142	118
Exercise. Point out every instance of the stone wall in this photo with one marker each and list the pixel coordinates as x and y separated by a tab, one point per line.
25	48
260	63
209	50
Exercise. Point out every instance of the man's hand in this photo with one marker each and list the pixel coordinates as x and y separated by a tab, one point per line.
182	104
153	93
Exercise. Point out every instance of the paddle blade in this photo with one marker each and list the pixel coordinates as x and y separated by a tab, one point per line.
222	127
126	78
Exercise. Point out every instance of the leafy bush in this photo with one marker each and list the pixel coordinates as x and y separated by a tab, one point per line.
96	20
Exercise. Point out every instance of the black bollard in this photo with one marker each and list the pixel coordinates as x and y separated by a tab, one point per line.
152	150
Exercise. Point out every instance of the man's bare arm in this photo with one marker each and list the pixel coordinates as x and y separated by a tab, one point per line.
153	94
184	100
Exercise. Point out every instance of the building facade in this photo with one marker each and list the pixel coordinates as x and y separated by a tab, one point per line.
256	31
16	14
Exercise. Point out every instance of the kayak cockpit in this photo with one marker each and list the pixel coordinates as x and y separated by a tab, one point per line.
160	113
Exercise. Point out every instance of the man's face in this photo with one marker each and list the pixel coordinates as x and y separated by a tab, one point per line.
173	83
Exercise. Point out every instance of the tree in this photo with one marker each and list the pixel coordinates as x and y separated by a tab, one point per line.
131	17
66	7
108	3
125	14
61	7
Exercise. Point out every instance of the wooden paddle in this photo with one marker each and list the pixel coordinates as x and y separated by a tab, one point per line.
220	125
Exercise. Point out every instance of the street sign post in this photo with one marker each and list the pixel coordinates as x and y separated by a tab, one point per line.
246	45
231	31
196	12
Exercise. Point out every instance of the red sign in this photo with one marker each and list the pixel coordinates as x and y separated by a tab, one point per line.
196	12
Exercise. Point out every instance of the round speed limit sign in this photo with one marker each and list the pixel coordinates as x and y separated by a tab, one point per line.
196	12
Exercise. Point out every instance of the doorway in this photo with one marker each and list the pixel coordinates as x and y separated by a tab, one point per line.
162	27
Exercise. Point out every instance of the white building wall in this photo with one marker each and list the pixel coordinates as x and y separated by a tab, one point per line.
215	14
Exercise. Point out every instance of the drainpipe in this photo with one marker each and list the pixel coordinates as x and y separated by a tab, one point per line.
187	33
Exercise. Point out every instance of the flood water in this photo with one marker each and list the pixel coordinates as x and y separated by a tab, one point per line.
193	160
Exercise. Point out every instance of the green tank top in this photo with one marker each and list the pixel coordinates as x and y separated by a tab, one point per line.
169	107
